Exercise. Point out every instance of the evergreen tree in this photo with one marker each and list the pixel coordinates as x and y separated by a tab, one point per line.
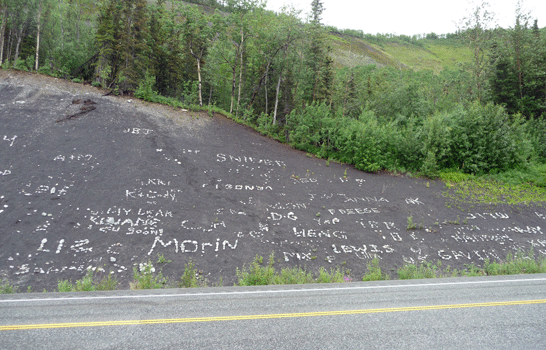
476	32
107	41
318	58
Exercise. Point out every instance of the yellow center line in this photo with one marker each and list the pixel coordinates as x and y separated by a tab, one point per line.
262	317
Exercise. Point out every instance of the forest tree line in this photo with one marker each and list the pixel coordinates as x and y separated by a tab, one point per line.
275	71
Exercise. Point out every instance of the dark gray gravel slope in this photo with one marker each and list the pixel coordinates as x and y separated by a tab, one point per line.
118	185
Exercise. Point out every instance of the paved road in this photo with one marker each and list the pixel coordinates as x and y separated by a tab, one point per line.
480	313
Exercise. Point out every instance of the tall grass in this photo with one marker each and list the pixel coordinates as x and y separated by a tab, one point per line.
259	274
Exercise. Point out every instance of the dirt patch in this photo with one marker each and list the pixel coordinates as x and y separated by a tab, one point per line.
130	181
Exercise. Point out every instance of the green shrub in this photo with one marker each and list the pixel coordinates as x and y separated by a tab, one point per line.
294	275
145	88
536	133
6	288
257	275
424	270
374	272
65	286
305	127
482	140
189	278
109	282
436	143
144	277
472	271
519	264
333	276
367	143
46	69
88	283
20	65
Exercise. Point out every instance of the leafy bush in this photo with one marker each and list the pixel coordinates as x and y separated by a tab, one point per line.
519	264
424	270
46	69
436	143
107	283
145	89
144	277
6	288
20	65
374	272
482	140
333	276
88	283
536	134
189	278
367	143
306	127
257	275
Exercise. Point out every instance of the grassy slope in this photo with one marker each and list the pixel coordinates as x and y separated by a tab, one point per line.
434	55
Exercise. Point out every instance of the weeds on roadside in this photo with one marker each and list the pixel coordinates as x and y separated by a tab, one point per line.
144	277
189	278
333	276
88	283
519	264
424	270
6	288
374	272
257	274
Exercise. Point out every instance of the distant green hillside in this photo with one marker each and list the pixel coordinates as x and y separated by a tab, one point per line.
436	55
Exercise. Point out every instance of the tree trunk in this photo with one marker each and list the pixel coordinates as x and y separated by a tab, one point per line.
19	39
265	90
233	85
38	36
277	98
10	44
199	79
240	73
210	95
3	18
62	26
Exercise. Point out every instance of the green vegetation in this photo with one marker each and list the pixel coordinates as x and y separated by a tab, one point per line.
471	102
424	270
521	263
411	225
511	187
6	288
144	277
161	259
88	283
257	274
374	272
189	278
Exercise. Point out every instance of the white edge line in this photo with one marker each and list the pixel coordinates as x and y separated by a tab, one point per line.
269	291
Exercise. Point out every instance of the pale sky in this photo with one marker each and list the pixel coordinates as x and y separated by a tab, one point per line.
410	17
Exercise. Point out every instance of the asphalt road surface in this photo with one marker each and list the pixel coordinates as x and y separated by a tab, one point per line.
507	312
